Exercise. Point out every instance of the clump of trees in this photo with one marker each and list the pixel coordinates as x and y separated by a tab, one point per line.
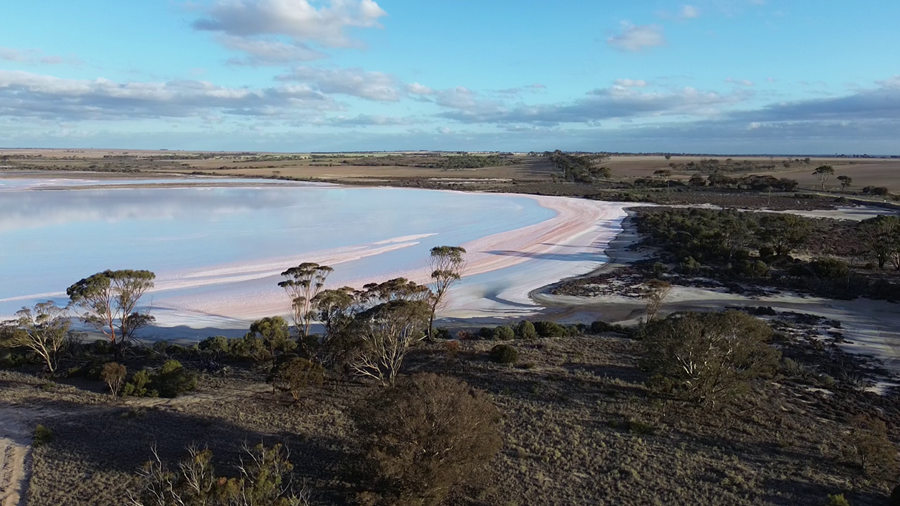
427	436
580	168
708	357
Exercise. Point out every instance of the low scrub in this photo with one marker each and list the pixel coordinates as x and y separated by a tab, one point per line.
504	354
428	435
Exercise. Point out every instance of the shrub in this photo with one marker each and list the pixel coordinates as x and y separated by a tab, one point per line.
837	500
525	330
831	268
550	329
428	435
42	436
298	374
504	333
266	478
869	441
137	387
217	344
486	333
173	379
708	357
114	376
504	354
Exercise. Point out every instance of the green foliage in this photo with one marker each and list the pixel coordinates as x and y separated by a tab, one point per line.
137	387
708	357
427	436
108	302
297	375
42	436
265	479
505	354
881	238
837	500
525	330
503	333
550	329
173	379
44	330
217	344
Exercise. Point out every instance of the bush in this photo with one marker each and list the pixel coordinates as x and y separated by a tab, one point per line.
266	478
42	436
525	330
217	344
550	329
707	357
428	435
486	333
504	333
298	374
831	268
114	376
837	500
173	380
137	387
869	442
504	354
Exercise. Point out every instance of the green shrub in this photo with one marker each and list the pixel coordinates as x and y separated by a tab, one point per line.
503	333
486	333
525	330
297	375
173	380
42	436
427	436
550	329
216	344
708	357
137	387
837	500
504	354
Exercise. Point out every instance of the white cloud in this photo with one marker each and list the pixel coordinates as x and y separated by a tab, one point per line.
739	82
631	83
24	94
278	31
34	57
268	52
355	82
418	89
688	12
635	38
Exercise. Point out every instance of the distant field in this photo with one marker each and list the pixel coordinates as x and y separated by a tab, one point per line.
865	172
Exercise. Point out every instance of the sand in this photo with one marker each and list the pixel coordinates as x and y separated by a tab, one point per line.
15	458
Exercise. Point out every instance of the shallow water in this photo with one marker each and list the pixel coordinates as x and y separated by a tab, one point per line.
230	243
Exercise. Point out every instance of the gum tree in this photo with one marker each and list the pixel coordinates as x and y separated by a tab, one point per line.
44	330
824	173
108	301
447	264
302	284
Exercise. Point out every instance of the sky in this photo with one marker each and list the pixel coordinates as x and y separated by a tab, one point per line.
710	76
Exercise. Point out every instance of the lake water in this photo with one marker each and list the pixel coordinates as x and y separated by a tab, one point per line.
217	251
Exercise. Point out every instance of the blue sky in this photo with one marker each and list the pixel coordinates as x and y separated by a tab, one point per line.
709	76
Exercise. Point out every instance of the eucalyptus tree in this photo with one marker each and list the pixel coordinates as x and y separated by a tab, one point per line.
302	284
44	330
447	264
108	302
824	173
384	335
846	182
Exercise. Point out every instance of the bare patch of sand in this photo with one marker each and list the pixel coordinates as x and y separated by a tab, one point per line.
15	458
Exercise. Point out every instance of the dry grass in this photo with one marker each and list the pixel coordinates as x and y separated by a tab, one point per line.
579	428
